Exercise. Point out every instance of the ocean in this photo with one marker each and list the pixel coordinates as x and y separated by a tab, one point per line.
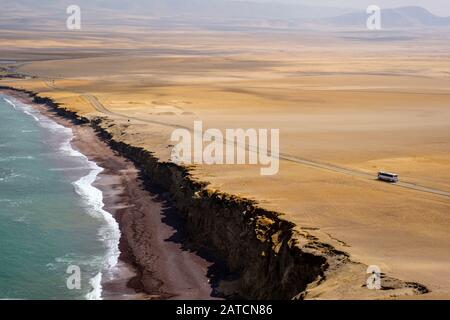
51	219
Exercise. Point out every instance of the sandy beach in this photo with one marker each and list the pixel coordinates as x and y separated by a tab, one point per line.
155	260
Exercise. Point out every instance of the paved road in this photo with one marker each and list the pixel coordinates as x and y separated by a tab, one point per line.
97	105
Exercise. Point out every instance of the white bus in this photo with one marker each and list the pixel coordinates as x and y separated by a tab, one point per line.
386	176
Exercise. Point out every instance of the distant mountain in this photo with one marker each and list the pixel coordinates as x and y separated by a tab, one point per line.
404	17
207	14
162	14
201	9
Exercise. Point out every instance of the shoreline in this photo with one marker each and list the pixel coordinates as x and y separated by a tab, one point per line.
280	262
123	191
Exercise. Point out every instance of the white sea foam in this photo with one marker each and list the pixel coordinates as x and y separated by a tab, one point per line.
10	103
56	128
24	108
10	176
82	260
14	158
67	169
31	115
93	197
109	233
66	147
96	283
19	219
51	266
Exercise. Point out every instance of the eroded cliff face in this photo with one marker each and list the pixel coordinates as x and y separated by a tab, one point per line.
272	259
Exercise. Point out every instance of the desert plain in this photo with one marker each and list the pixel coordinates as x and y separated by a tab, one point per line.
348	104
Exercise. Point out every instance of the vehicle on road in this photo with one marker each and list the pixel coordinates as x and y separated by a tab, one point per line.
388	177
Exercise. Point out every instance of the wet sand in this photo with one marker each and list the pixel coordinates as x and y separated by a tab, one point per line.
156	261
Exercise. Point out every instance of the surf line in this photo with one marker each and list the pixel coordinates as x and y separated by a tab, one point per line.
10	103
92	197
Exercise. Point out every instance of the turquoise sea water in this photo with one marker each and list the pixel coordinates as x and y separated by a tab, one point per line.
51	216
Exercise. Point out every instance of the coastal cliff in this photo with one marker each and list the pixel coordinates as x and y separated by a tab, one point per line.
273	260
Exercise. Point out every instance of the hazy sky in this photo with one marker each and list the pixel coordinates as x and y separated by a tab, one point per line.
438	7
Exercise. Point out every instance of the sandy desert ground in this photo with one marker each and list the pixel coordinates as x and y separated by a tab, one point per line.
346	107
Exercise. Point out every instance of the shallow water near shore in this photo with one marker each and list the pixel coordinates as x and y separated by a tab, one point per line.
51	216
